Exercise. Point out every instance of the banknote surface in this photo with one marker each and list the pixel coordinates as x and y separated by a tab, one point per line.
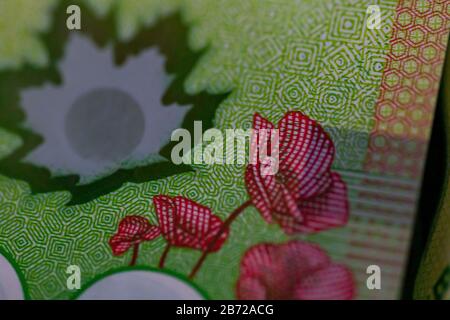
372	90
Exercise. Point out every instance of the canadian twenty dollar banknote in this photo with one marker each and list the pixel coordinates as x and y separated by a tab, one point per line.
96	97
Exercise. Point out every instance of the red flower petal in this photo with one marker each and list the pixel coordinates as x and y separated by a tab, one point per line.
185	223
152	233
332	283
288	205
328	210
215	226
322	212
291	271
250	289
278	268
196	225
306	154
192	217
261	138
258	188
120	244
133	225
305	256
165	210
261	123
132	230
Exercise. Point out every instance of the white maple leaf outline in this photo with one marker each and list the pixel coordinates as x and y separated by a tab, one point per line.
85	68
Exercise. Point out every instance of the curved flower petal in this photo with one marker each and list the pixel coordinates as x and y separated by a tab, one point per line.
165	210
249	288
259	122
133	225
271	197
334	282
185	223
256	259
303	256
262	274
196	225
260	190
306	256
294	270
328	210
132	230
120	244
192	217
288	205
262	134
279	267
215	226
152	233
306	154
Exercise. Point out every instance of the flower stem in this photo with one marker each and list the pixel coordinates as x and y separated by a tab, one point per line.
135	254
224	227
162	260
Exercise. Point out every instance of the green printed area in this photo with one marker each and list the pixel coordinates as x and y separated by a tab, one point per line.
8	143
268	56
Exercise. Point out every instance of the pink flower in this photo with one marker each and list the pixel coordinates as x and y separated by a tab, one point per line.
182	222
132	231
295	270
185	223
304	195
